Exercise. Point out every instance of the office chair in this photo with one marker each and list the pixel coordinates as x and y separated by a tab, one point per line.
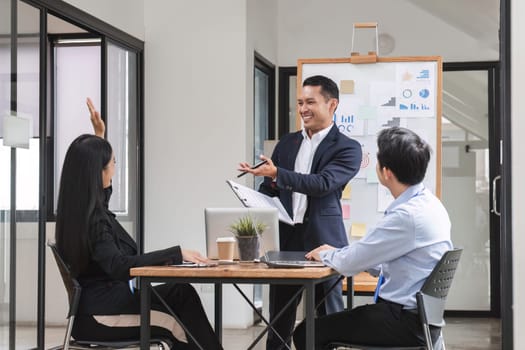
430	305
74	289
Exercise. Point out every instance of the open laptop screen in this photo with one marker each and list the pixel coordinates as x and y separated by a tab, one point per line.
218	221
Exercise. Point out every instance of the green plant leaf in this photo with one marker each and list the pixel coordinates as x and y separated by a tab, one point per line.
247	226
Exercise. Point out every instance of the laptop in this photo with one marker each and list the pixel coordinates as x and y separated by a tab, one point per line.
289	259
218	221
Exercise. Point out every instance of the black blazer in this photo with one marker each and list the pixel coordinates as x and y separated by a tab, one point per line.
105	282
336	161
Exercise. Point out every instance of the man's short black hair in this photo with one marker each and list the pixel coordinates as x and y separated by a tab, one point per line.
404	153
329	88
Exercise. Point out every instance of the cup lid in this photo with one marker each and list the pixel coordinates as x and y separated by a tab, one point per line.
225	239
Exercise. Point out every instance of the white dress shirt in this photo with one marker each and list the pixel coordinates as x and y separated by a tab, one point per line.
303	165
406	243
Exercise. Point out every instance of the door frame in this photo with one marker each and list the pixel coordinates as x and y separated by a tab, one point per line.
492	69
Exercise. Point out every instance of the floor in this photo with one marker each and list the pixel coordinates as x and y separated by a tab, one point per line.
460	334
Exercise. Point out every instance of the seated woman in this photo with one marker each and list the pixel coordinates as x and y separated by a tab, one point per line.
100	253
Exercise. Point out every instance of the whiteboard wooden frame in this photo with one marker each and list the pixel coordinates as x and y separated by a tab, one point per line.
439	88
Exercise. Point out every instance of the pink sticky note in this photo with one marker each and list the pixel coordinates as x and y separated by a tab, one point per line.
346	211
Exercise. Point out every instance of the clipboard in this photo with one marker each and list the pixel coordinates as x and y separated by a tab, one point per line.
253	199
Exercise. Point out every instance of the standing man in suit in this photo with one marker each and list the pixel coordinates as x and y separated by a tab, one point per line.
308	172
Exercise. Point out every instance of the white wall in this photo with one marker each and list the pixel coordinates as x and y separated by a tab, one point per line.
195	123
322	29
126	15
262	30
261	34
518	168
196	115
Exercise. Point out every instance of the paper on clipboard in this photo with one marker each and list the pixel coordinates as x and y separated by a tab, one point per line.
253	199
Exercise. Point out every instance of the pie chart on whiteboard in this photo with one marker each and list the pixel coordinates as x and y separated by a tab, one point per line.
424	93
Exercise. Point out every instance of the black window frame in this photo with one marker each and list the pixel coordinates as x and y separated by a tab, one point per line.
284	98
268	68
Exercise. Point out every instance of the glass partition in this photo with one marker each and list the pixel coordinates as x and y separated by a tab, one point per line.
74	71
27	179
5	169
73	62
465	166
263	108
260	124
122	113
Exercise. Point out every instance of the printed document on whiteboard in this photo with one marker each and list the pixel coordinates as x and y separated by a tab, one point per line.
253	199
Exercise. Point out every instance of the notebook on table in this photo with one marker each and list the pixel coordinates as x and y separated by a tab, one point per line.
288	259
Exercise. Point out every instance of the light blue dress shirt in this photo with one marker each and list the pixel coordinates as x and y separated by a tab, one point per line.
406	244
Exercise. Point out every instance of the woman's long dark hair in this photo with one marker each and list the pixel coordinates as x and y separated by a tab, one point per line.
81	193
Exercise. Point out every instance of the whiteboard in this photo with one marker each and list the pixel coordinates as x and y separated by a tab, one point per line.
402	91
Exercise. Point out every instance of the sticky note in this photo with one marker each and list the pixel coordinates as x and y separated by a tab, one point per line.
347	87
17	131
346	211
371	176
358	229
367	112
347	192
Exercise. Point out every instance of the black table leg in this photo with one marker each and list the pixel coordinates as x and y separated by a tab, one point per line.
145	306
218	311
310	319
349	293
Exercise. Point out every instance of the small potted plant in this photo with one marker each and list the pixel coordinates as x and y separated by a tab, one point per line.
247	231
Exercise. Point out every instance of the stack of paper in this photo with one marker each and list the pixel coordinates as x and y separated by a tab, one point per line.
253	199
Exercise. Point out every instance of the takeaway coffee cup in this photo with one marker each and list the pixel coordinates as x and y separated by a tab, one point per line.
226	248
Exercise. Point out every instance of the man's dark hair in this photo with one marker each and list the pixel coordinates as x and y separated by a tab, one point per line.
404	153
329	88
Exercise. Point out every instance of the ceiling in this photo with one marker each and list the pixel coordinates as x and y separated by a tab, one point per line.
477	18
465	94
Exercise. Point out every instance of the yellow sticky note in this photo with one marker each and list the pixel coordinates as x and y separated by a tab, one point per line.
358	229
347	87
347	192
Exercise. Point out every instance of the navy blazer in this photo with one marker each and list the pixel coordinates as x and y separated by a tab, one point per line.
105	281
336	161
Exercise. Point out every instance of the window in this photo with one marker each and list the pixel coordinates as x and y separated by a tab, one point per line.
264	106
287	99
122	125
73	61
53	56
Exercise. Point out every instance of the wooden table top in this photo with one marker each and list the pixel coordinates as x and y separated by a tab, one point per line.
240	270
363	282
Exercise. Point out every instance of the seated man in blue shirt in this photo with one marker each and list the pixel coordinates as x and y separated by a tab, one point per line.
405	245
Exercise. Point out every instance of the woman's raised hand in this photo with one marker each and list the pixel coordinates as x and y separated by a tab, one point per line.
96	120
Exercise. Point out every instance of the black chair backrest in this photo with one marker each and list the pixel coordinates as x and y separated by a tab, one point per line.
431	300
432	296
438	283
73	288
